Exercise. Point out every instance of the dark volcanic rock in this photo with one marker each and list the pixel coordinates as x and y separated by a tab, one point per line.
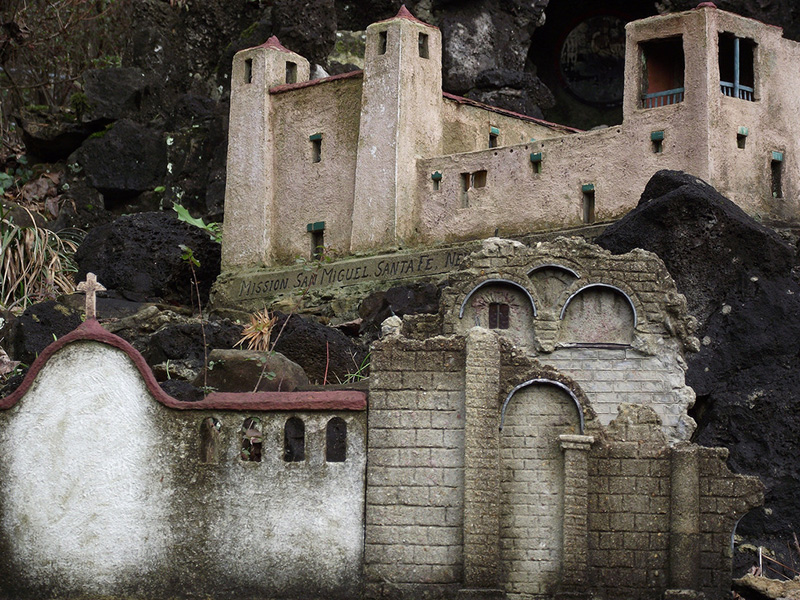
115	93
401	300
124	161
184	340
739	280
306	27
38	327
51	137
316	347
140	257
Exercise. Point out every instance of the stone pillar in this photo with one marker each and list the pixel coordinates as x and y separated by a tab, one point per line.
482	496
684	521
574	565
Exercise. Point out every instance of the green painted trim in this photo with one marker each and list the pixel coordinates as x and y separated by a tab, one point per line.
587	187
536	157
657	136
318	226
316	136
494	131
777	156
436	176
743	131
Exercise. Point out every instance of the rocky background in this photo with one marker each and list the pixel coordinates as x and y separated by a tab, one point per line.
105	161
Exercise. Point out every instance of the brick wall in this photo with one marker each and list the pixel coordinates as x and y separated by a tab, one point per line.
414	513
532	482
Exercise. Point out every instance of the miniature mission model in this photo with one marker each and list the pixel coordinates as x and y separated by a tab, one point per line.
530	440
381	159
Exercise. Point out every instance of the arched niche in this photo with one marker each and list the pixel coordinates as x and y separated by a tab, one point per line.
209	440
549	282
535	414
598	314
502	305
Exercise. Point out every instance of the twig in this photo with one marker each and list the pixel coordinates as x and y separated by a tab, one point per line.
327	363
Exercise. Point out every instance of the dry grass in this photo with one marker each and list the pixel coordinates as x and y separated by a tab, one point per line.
37	264
257	334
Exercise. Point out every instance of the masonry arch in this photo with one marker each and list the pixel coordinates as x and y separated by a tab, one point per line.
502	305
548	282
598	314
534	416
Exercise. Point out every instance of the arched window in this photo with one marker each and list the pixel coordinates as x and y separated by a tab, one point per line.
209	441
294	440
336	440
251	440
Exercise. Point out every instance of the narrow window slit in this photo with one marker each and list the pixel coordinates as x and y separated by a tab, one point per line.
776	168
291	72
423	45
382	39
588	204
336	440
251	440
294	440
248	70
209	441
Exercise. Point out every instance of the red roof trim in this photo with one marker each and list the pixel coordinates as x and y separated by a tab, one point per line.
288	87
260	401
404	13
274	43
509	113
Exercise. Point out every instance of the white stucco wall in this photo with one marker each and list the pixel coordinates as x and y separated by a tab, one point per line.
105	494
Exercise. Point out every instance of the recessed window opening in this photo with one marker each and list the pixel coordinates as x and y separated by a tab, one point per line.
736	67
657	141
663	68
536	162
437	181
492	140
209	441
251	440
498	315
465	182
336	440
423	45
317	245
741	141
479	179
291	72
294	440
776	169
382	38
248	70
316	150
588	206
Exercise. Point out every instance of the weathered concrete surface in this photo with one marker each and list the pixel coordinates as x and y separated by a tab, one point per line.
125	497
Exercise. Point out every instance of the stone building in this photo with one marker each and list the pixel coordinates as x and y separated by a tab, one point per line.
530	440
381	159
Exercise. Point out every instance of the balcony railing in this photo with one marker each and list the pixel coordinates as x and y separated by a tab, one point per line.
664	98
737	90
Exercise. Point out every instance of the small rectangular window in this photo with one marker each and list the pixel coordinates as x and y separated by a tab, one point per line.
536	162
316	147
437	180
317	245
776	168
423	45
741	138
588	206
465	181
291	72
498	315
248	70
479	179
382	39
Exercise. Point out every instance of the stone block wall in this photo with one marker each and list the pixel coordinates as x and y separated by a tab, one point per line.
414	513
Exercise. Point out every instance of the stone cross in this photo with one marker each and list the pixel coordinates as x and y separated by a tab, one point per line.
90	287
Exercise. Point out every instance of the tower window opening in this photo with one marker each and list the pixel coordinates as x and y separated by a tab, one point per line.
465	179
737	67
291	72
382	39
663	69
588	205
316	150
498	315
248	70
423	45
479	179
776	169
